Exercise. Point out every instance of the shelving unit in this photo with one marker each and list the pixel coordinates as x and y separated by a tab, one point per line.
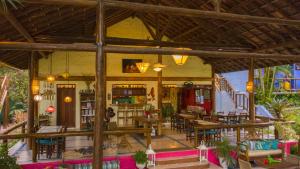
87	108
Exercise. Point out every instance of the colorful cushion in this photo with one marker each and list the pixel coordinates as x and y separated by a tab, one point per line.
259	145
266	144
274	144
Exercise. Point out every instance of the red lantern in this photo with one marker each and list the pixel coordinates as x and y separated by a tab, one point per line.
50	109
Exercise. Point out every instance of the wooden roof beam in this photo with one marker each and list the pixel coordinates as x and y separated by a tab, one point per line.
173	11
19	27
141	50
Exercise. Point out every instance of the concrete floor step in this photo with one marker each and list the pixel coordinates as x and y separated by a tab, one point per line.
176	160
187	165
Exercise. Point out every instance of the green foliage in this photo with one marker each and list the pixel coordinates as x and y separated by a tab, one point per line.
277	105
7	161
18	88
286	132
4	4
140	157
224	149
293	115
294	150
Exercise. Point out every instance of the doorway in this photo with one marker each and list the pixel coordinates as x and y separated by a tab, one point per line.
66	112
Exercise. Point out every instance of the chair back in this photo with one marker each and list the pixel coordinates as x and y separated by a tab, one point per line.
244	164
232	113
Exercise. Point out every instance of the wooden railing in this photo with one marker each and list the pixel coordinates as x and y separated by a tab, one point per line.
240	100
238	127
21	125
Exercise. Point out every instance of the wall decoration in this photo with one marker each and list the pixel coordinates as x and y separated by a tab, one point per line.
129	65
151	95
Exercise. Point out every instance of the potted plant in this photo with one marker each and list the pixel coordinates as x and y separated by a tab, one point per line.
223	150
140	158
7	161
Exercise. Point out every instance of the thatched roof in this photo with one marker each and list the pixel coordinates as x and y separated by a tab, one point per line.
68	24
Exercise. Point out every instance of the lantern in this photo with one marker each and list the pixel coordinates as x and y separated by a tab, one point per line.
50	109
50	78
37	98
68	99
35	86
287	85
142	66
250	86
158	67
203	152
181	59
151	156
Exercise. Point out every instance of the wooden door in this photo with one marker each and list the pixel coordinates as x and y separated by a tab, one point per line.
66	112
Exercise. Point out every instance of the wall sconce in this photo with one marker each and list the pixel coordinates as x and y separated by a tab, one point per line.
68	99
35	87
249	86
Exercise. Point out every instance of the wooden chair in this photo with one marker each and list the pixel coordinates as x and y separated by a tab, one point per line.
179	124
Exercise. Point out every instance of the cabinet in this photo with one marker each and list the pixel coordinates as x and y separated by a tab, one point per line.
87	108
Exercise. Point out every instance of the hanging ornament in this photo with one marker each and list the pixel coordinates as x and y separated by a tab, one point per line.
50	109
68	99
38	98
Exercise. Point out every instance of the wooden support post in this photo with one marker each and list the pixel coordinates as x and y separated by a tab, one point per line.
6	112
148	138
238	134
100	94
196	136
251	94
213	94
30	100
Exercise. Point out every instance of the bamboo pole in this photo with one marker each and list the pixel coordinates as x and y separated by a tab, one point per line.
251	94
100	81
142	50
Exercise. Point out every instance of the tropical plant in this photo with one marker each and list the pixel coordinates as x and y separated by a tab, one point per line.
140	157
277	105
224	150
286	131
167	110
13	3
7	161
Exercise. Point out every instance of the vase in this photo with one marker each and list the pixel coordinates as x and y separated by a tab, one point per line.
140	166
223	163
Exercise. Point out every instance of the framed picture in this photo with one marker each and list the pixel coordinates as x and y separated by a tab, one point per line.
297	66
129	65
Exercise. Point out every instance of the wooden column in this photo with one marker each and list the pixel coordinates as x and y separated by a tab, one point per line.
251	94
100	93
30	101
213	93
6	112
159	85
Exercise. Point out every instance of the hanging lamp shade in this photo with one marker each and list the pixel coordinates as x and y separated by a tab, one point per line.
142	66
158	67
250	86
50	109
50	78
35	86
68	99
38	98
181	59
66	75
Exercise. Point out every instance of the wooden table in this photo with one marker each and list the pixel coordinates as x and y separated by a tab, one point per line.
228	117
148	123
50	129
291	162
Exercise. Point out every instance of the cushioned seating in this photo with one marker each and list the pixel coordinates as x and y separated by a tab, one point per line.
259	148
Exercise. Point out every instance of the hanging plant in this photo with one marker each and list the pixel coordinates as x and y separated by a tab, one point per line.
4	4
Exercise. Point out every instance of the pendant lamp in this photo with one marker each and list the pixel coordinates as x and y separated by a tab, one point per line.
142	66
50	109
181	59
158	67
50	77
